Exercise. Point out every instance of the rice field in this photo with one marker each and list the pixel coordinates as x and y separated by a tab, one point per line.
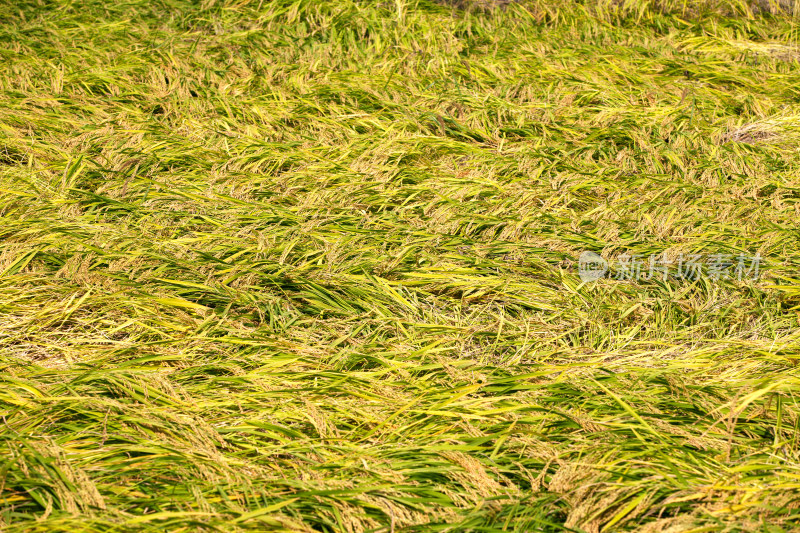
315	266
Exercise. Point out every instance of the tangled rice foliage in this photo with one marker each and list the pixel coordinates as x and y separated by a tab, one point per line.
310	266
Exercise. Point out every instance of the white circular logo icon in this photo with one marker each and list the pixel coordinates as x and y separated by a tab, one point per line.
591	266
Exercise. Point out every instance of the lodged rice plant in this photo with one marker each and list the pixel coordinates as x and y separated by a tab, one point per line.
304	266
